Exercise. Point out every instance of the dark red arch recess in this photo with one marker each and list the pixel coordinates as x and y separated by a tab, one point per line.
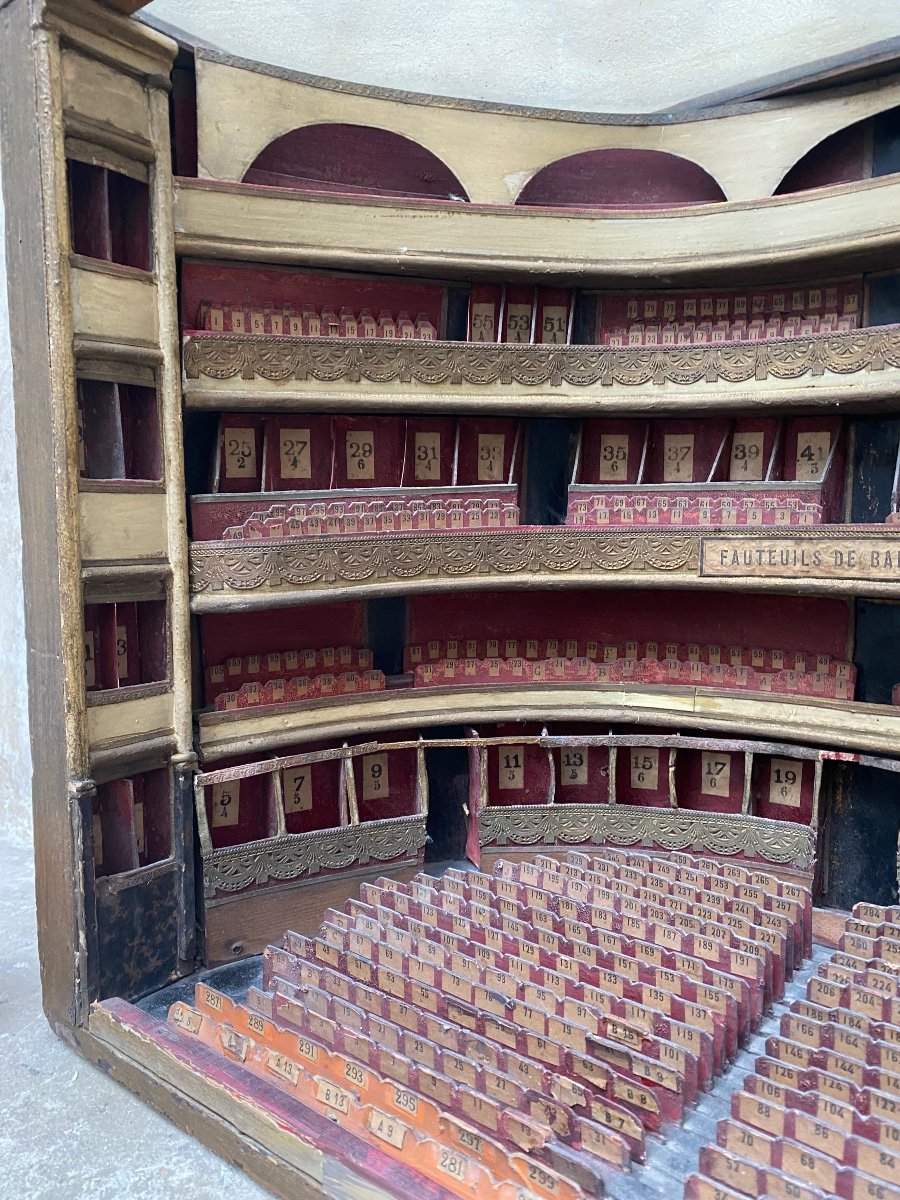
866	149
840	158
355	159
621	178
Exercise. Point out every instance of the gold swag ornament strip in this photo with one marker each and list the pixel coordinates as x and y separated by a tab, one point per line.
329	360
309	562
781	842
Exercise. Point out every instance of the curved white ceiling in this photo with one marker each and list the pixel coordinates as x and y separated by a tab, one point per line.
591	55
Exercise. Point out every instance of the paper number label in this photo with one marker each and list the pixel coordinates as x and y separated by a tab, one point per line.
240	453
518	323
294	454
678	458
747	456
574	764
375	776
511	775
360	454
122	651
483	323
812	453
490	457
645	768
90	663
784	782
386	1128
613	457
553	323
427	453
297	785
226	803
451	1164
716	774
335	1097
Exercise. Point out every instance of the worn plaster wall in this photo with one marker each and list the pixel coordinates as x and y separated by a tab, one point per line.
15	759
585	54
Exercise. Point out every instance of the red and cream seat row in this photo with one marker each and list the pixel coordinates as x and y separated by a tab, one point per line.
703	333
310	321
305	687
259	668
820	1115
469	672
529	1025
379	515
568	648
623	506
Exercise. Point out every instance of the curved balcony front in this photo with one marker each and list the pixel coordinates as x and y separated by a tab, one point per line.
827	560
835	723
844	227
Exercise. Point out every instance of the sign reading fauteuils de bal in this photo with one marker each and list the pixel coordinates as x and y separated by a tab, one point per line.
854	557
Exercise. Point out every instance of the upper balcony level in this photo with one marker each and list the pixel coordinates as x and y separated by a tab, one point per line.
296	168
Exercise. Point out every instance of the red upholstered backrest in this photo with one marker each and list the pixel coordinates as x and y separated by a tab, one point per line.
310	627
813	624
517	773
284	287
710	780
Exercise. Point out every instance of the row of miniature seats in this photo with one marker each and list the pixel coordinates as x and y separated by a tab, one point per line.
734	883
821	1111
257	668
693	928
552	977
611	933
820	300
511	1042
878	916
472	671
778	921
304	687
384	1099
355	505
760	658
568	970
728	494
604	510
734	879
350	951
632	1091
682	910
702	333
472	514
535	1033
310	321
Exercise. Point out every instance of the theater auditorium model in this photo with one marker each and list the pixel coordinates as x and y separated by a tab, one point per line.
462	550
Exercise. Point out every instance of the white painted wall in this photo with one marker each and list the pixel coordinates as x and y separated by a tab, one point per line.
602	55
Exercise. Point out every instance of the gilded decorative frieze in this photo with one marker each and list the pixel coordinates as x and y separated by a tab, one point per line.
670	829
380	361
329	561
298	855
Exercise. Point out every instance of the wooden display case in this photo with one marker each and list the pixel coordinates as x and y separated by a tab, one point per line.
420	496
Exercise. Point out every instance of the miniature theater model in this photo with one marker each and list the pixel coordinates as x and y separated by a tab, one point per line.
462	550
